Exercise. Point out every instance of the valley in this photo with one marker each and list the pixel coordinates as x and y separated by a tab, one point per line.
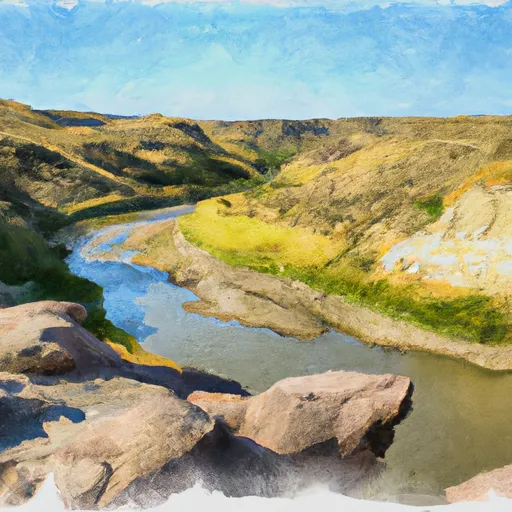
261	250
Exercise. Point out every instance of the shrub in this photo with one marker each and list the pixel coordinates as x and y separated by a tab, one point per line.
432	206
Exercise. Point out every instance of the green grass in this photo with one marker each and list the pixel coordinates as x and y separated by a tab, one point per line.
245	242
270	162
474	317
432	206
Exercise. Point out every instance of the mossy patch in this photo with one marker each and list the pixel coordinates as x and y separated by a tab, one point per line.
431	205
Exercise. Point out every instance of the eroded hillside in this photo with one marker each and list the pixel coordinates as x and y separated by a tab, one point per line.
413	216
407	215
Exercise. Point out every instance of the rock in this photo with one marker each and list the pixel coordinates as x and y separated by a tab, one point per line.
124	445
20	482
477	489
359	411
237	466
46	338
97	437
75	311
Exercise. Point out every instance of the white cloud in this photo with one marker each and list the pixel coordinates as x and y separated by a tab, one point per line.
67	4
351	4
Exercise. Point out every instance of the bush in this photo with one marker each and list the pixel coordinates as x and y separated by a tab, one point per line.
432	206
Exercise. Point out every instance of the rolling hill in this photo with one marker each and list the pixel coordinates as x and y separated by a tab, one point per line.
409	216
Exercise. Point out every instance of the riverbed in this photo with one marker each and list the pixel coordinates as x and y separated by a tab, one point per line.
461	423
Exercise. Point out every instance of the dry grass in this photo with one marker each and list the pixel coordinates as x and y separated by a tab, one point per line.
263	243
142	357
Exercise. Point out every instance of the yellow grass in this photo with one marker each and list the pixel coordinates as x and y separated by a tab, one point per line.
210	229
155	157
79	130
75	207
495	173
302	171
143	357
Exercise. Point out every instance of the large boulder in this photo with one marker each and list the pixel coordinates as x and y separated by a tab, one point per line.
477	489
358	411
46	338
96	436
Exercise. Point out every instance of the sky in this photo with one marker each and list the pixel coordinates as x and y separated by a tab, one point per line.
254	59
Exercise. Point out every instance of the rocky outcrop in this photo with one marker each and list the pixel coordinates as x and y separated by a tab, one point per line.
477	489
96	436
70	406
46	338
151	429
295	414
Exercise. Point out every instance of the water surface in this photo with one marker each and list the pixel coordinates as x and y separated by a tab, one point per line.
461	423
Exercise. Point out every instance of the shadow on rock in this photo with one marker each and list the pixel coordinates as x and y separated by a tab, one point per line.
237	466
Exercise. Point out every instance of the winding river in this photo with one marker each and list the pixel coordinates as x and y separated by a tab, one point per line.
461	423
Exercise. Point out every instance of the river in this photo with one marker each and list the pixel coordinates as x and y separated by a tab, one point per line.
461	423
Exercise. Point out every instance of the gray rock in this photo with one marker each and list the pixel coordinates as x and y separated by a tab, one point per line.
357	410
46	338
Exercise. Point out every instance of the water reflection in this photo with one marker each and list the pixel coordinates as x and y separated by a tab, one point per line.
462	417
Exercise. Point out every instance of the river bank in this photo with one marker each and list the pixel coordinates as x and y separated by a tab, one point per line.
442	443
288	307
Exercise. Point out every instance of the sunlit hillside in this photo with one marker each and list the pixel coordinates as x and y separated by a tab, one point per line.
411	207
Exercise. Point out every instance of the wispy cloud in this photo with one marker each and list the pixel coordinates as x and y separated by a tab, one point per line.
185	60
331	4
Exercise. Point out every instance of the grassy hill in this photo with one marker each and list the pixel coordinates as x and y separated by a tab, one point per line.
59	167
393	213
364	189
88	164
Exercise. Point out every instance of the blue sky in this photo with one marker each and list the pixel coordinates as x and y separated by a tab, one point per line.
258	59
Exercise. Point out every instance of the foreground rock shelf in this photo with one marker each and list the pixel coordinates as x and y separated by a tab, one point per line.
358	411
114	432
478	488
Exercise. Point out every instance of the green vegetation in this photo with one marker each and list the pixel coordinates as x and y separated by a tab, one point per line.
432	205
474	317
242	241
26	256
270	162
106	331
